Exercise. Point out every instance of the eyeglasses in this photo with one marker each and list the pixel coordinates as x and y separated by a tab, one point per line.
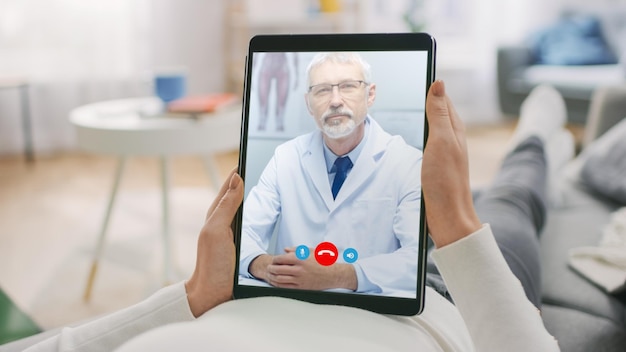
347	89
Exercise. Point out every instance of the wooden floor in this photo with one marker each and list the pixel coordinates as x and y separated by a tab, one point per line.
51	212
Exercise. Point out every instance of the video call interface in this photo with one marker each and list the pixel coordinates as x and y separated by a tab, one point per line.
373	224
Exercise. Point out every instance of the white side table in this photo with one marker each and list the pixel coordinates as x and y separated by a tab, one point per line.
133	127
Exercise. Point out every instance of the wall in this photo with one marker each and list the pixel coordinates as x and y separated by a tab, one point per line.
190	33
71	53
158	33
77	52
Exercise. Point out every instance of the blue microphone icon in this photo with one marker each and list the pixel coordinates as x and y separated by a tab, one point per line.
302	252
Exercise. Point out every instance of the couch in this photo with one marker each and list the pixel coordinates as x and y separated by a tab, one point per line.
580	315
582	51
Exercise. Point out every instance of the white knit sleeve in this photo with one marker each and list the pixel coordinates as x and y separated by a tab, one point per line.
166	306
490	298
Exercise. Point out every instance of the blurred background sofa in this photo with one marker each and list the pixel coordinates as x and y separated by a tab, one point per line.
579	314
581	51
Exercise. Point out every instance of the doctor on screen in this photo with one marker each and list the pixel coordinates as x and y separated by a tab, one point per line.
343	202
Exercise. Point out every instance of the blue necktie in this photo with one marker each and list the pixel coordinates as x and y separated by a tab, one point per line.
342	165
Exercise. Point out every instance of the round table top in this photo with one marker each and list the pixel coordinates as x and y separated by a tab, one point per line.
137	126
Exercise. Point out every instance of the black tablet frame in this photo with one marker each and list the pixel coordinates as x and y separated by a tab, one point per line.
322	43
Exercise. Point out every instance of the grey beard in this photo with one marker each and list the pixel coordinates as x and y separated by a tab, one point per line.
340	130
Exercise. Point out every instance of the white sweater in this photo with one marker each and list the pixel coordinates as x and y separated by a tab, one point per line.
491	313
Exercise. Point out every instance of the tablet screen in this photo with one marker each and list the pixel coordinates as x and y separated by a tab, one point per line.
331	157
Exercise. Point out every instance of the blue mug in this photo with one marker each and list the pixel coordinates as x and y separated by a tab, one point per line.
169	86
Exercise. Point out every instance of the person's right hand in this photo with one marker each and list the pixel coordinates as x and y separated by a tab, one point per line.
450	213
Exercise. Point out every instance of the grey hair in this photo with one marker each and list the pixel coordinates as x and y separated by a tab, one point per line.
342	58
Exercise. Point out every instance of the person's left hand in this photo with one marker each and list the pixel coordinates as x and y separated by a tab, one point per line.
287	271
212	280
450	212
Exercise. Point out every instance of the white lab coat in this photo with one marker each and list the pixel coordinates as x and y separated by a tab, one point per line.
377	210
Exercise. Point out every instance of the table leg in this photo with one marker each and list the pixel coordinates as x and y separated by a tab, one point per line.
26	124
167	242
213	171
100	244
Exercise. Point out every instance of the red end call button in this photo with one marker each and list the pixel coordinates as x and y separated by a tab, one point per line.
326	253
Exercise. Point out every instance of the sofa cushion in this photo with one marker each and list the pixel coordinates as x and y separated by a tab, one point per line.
578	223
605	165
613	20
581	332
575	39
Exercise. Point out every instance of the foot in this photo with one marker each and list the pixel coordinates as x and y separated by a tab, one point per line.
542	114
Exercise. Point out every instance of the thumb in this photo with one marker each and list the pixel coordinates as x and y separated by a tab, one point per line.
437	109
225	210
443	120
220	193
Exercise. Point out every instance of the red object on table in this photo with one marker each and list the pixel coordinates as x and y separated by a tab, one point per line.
205	103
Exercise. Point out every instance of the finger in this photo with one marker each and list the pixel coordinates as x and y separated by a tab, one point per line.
279	280
225	210
284	284
220	194
282	270
290	249
455	119
438	108
285	259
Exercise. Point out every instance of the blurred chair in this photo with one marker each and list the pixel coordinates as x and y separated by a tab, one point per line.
23	88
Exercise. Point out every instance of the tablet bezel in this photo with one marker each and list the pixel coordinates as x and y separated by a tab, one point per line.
322	43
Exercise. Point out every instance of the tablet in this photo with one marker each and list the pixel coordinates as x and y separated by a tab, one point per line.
331	150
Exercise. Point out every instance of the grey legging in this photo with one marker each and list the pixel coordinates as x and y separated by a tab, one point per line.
514	206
